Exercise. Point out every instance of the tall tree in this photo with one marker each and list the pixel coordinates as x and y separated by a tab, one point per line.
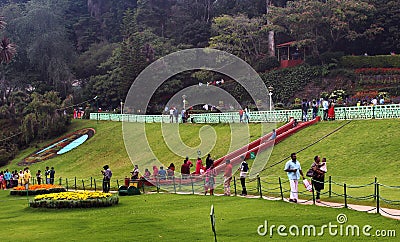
7	52
322	24
239	35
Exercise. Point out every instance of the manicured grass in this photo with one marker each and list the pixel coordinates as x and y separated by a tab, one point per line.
170	217
356	154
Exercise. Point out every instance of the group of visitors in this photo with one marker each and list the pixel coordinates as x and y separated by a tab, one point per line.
13	179
316	172
328	108
244	115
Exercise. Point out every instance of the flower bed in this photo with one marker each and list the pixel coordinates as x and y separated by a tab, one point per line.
74	200
37	189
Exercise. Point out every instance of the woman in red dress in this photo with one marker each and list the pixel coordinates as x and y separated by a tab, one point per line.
331	111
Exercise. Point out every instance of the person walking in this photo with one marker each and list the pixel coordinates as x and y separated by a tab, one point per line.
7	178
107	174
293	169
227	178
244	168
304	108
52	174
47	175
185	169
331	111
325	107
314	109
318	178
209	183
26	177
39	177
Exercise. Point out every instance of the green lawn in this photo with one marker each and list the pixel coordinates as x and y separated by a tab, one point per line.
170	217
356	154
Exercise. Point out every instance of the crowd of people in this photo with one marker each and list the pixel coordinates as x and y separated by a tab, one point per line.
23	177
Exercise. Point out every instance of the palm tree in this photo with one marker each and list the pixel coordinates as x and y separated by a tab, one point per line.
2	23
7	50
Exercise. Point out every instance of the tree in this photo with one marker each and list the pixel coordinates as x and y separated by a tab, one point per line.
7	52
239	35
322	24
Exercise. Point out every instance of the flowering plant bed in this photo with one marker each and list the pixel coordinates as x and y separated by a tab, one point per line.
74	200
37	189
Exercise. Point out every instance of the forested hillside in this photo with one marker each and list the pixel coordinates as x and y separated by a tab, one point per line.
60	54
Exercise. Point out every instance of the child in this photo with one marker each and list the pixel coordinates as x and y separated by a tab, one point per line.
210	180
39	177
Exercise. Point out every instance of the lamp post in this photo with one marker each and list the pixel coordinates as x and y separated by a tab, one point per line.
184	101
97	111
270	89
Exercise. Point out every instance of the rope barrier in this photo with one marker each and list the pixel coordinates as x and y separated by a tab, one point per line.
369	210
396	215
359	186
395	202
361	198
306	147
388	186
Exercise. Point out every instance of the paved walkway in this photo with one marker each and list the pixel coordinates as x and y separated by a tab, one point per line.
390	213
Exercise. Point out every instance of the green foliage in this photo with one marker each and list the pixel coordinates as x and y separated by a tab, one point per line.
370	61
239	35
287	82
266	63
43	119
89	203
321	25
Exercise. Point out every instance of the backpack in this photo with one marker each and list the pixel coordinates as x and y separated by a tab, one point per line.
245	166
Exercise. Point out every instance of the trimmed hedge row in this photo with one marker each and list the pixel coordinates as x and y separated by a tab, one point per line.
88	203
37	192
381	61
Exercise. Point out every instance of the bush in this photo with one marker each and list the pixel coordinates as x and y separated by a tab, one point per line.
37	190
74	200
266	63
382	61
327	58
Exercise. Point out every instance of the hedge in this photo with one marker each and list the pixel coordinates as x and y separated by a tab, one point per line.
378	61
37	192
89	203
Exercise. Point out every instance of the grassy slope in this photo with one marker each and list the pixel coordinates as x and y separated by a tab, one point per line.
356	153
162	217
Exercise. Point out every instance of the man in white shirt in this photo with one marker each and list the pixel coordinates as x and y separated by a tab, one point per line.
325	106
293	169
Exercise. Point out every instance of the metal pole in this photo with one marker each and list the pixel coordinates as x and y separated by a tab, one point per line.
375	188
75	183
280	187
312	187
234	184
345	195
191	179
330	186
259	186
83	185
377	200
173	180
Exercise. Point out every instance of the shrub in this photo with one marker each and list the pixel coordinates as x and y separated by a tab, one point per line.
370	61
74	200
266	63
37	190
377	71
